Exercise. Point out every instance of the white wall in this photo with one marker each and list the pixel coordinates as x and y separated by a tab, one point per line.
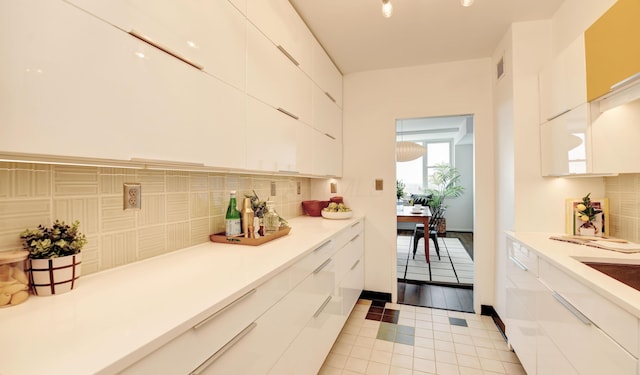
460	210
372	102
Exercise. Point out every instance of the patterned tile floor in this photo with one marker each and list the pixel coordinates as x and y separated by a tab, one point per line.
390	339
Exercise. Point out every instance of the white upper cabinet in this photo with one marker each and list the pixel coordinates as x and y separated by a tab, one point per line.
327	155
327	116
82	88
275	141
325	74
563	84
280	22
209	35
274	80
565	143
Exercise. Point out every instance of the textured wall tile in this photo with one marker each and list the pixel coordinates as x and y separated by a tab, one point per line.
177	182
118	249
231	182
216	224
199	231
84	210
114	218
199	182
71	180
177	207
151	241
199	204
178	236
91	255
153	210
152	181
31	183
5	182
216	182
112	179
219	202
16	216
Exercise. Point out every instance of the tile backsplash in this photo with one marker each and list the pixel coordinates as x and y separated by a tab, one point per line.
623	192
179	209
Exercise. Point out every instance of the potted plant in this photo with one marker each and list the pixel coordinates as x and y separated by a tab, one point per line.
587	213
54	256
446	180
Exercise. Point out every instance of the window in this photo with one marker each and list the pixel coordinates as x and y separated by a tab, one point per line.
415	173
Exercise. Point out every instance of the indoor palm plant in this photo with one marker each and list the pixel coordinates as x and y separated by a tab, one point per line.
446	182
54	255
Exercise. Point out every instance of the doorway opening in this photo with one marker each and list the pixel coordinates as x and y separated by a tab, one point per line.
446	279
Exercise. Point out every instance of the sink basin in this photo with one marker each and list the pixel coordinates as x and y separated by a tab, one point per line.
628	274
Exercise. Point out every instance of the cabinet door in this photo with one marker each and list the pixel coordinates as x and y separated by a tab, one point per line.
117	90
615	140
325	74
327	116
565	143
274	80
550	360
612	47
327	155
563	84
279	21
208	34
276	141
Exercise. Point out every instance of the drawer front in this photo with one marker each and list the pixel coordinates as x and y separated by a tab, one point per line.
616	322
587	347
521	326
523	257
183	354
348	255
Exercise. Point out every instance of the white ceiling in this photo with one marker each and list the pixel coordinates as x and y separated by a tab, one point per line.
358	38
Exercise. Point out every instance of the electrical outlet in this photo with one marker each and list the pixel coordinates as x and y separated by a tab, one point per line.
298	187
334	188
379	184
132	196
273	189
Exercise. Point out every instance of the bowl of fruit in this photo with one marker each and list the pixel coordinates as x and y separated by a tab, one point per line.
337	211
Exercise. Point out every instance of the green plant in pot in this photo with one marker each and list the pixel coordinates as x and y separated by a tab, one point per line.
446	180
400	186
54	255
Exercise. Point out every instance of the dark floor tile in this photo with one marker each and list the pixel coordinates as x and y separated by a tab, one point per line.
376	310
378	303
385	335
458	322
390	318
388	327
373	316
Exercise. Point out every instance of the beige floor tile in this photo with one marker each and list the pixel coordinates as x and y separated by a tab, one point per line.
403	349
349	372
383	345
336	360
446	357
462	339
347	338
470	371
341	348
465	349
442	327
360	352
424	332
400	371
379	356
444	336
513	368
446	346
356	364
406	321
328	370
508	356
404	361
468	361
368	332
488	353
424	342
492	365
424	365
424	353
366	342
447	369
366	323
375	368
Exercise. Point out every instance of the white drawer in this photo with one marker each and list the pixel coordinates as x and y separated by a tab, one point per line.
523	257
187	351
349	255
616	322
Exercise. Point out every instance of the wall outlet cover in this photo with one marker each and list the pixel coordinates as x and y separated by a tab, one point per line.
132	196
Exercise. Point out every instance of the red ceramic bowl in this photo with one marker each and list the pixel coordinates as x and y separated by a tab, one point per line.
314	208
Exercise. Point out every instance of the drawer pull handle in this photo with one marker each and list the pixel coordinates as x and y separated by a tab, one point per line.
355	224
355	264
321	246
324	304
164	49
355	237
288	113
288	171
323	265
625	81
286	53
330	136
519	264
222	350
330	97
558	115
581	317
227	307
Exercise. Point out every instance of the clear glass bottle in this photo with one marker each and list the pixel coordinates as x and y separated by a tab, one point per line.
271	219
232	219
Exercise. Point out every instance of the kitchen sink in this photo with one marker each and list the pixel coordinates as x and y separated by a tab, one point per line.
627	273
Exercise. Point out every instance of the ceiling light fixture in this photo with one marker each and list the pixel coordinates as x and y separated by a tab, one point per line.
407	151
466	3
387	8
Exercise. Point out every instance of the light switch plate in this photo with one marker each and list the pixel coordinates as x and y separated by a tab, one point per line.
299	187
132	196
334	188
378	184
273	189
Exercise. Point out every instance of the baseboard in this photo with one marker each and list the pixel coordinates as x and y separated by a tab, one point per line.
490	311
377	296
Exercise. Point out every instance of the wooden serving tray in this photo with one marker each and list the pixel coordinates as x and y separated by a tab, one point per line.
240	240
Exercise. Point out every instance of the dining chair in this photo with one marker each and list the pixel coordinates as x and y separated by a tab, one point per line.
418	232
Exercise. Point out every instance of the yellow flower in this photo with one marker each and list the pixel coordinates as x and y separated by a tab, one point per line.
584	218
581	207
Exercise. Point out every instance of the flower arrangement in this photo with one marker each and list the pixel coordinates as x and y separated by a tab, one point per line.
587	213
58	241
260	208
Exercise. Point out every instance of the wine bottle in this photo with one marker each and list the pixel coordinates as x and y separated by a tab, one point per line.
232	219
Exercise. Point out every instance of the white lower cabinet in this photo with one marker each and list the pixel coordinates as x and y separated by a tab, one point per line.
287	325
556	325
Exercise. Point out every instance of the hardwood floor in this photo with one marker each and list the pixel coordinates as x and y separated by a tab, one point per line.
436	296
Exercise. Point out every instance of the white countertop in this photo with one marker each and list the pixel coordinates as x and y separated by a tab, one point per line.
565	256
114	318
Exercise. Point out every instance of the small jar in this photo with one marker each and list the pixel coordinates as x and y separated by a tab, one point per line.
14	280
271	219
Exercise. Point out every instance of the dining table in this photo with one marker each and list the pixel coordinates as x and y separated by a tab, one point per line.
409	214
